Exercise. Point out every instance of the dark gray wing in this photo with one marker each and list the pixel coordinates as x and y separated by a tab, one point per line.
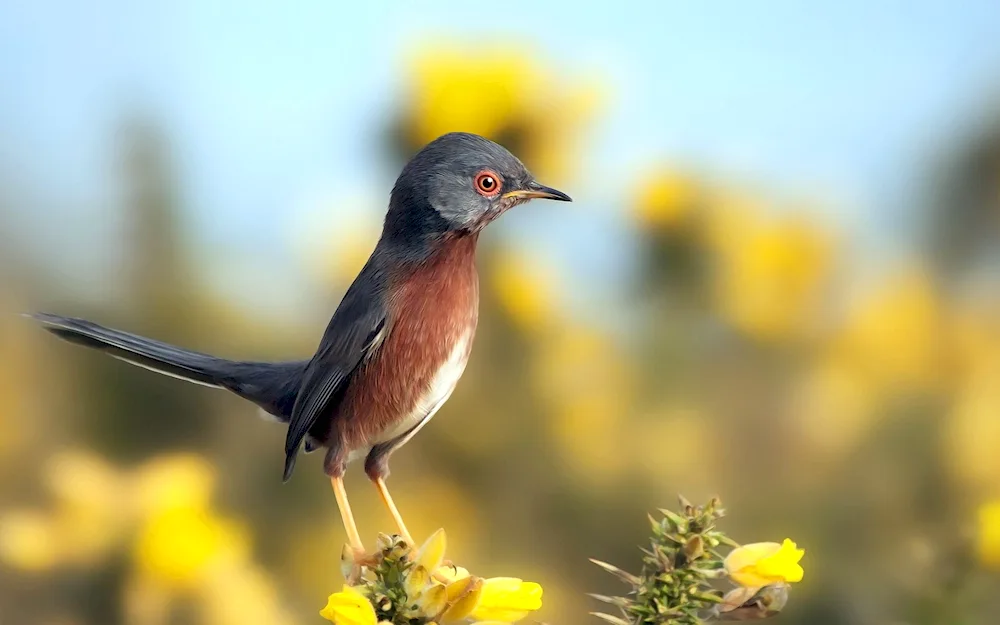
353	333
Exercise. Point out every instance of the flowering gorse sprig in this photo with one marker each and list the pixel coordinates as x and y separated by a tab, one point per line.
400	586
678	581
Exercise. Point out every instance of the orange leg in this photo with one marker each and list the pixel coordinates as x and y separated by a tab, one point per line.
391	505
346	515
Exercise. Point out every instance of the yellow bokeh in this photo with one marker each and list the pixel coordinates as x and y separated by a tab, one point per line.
243	595
501	92
834	407
180	547
771	275
988	540
972	432
28	540
893	333
173	482
526	288
665	199
479	93
674	443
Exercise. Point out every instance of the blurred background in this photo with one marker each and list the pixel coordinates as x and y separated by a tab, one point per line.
778	284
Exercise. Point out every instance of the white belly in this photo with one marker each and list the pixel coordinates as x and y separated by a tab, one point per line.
438	391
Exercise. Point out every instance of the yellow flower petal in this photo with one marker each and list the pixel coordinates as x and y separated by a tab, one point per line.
759	564
507	599
417	578
432	601
431	553
463	597
451	572
349	607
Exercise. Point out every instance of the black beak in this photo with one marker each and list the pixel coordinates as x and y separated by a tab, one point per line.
534	190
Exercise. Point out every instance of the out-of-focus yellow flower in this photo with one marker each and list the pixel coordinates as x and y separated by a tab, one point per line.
835	406
587	382
507	600
973	429
759	564
28	540
894	333
91	510
499	92
242	595
525	288
665	199
988	543
80	478
476	92
771	274
691	452
174	482
180	547
349	607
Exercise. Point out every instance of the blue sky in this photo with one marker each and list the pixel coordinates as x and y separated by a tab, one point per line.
272	106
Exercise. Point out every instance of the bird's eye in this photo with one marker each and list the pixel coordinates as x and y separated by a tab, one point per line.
487	183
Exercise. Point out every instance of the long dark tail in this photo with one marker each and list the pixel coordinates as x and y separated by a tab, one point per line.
272	386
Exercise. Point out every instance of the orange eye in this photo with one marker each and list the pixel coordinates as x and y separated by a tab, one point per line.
487	183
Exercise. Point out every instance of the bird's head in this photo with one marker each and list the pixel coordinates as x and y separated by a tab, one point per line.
462	182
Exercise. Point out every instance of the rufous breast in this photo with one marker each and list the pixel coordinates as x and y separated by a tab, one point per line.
433	312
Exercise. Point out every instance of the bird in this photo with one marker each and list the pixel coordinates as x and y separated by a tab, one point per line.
397	343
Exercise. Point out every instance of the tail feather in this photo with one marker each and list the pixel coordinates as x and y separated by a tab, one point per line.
272	386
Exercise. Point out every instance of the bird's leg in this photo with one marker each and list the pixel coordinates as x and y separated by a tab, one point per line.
347	516
383	492
377	469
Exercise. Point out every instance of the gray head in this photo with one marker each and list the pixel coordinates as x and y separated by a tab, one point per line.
460	182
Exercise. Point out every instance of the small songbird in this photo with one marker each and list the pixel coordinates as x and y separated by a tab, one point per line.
400	338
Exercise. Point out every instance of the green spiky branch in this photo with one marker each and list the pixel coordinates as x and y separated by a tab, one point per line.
676	585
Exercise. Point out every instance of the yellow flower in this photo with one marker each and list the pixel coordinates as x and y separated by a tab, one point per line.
894	333
516	101
989	534
771	274
349	607
427	559
463	596
499	599
174	482
760	564
507	599
27	541
91	511
665	200
180	547
973	431
431	553
451	572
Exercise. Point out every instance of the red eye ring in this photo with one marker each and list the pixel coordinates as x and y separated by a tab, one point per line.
487	183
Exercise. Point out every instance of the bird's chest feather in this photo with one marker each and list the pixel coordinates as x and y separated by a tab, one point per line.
433	311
